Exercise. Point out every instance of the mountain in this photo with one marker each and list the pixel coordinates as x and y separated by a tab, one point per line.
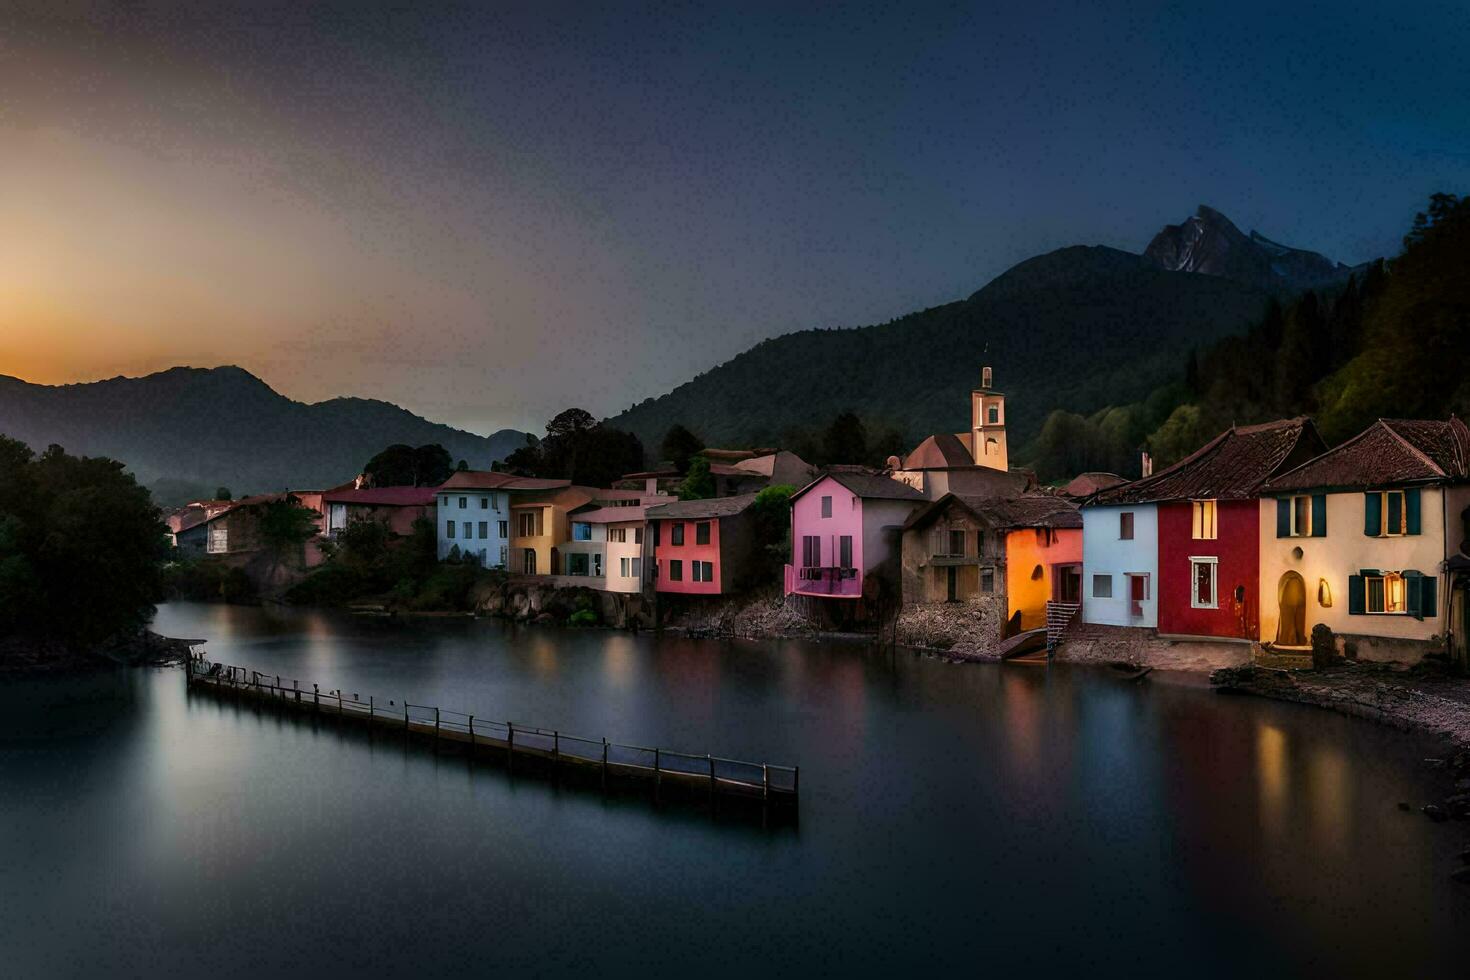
1210	243
224	426
1078	329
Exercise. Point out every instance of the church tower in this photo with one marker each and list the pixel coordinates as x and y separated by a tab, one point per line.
988	424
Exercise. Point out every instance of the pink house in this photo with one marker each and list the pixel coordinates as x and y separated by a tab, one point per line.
702	547
844	528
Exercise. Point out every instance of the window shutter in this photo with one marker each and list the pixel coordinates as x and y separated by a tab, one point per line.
1372	514
1429	597
1356	591
1283	517
1413	594
1411	511
1319	515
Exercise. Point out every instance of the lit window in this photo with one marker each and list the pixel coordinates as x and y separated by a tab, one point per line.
1204	520
1385	593
1301	517
1203	573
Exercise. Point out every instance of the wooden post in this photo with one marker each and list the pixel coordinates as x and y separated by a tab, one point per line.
765	782
339	702
555	747
316	695
510	746
436	724
405	716
658	777
372	709
296	687
604	764
472	736
710	761
277	690
795	779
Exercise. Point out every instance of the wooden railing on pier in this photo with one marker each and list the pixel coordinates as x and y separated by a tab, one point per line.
599	758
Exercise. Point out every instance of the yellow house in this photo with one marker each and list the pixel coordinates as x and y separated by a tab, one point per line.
540	524
1358	539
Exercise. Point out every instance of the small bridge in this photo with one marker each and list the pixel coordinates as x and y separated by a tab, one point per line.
548	750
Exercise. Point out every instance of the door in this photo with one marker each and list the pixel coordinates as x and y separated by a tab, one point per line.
1291	626
953	582
1137	593
528	563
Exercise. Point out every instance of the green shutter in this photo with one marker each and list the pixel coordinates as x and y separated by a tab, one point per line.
1411	511
1372	514
1429	597
1357	600
1319	515
1283	517
1413	594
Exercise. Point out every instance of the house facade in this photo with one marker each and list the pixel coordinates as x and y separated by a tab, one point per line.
1011	556
702	547
605	549
233	533
845	528
1202	514
1364	539
397	508
473	513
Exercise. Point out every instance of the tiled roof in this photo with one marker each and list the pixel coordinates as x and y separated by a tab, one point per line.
696	509
383	496
1389	451
1232	466
871	486
487	480
611	515
1006	513
1087	484
938	452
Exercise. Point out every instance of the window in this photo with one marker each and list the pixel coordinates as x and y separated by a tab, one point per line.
811	551
577	564
709	570
503	527
1203	589
637	535
1125	526
1203	525
484	530
1386	593
637	565
1391	512
469	531
617	535
1102	586
449	529
503	553
844	551
956	544
826	506
994	415
443	501
676	570
1069	583
701	532
484	503
987	580
676	534
1301	517
623	567
979	544
697	569
526	524
597	563
461	503
218	542
581	531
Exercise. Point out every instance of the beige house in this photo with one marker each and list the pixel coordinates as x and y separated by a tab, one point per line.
1361	539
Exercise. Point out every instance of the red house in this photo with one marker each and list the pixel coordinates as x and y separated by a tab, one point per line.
703	547
1209	525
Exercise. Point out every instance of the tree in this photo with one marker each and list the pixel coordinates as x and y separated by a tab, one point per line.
578	448
81	547
223	493
770	515
285	527
846	441
401	465
680	446
699	483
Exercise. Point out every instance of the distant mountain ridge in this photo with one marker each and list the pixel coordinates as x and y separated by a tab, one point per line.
1210	243
1080	328
225	426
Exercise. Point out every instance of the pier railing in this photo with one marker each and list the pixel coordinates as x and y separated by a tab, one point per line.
506	739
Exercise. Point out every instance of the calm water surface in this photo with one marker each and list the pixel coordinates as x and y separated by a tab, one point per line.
966	819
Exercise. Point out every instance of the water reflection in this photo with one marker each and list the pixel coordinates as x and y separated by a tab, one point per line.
1020	818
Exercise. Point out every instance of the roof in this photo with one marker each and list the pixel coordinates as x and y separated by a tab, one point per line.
733	455
939	452
244	502
383	496
611	515
1087	484
1005	513
869	486
713	507
488	480
564	496
1232	466
1390	451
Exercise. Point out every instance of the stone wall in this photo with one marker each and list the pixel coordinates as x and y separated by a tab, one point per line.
1385	649
1091	643
971	629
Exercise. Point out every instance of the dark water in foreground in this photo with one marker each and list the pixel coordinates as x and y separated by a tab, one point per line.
970	819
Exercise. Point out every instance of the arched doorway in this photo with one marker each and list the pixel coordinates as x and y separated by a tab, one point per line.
1291	624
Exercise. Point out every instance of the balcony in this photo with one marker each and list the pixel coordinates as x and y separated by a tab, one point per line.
823	580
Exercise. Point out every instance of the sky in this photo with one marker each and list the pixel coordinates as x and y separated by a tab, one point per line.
489	213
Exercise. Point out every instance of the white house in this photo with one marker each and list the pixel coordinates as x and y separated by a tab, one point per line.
1120	564
474	514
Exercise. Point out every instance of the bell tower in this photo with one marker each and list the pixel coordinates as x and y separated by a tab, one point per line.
988	424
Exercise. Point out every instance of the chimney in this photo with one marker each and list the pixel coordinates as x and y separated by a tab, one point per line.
1145	465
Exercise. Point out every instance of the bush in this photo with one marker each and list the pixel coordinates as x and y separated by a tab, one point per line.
208	580
583	617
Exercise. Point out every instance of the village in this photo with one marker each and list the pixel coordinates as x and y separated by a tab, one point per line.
1264	546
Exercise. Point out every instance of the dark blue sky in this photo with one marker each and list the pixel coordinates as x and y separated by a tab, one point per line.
490	214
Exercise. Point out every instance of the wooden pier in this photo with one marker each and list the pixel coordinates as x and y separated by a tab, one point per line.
610	764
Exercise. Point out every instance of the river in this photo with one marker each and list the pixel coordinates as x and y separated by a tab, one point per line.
958	818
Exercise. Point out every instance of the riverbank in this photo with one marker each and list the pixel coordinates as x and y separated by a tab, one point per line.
41	655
